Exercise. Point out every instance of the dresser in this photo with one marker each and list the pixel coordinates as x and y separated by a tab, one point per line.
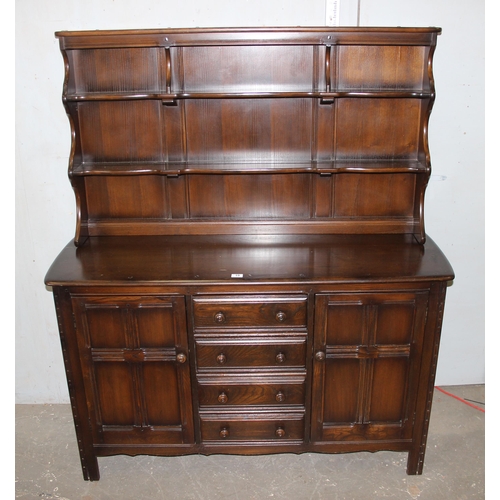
250	271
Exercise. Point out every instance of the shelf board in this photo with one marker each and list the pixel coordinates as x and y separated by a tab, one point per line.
173	96
185	168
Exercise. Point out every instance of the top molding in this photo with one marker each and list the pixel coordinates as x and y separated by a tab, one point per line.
247	36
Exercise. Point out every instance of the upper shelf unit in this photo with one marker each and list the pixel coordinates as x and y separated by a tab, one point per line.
255	71
352	103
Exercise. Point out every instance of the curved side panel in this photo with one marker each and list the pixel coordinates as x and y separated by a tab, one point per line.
420	230
77	184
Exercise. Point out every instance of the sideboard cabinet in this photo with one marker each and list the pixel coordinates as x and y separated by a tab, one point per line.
250	272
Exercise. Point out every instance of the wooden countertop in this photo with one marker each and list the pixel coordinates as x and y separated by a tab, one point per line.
190	260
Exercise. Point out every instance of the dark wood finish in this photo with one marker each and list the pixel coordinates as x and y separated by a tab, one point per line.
250	271
162	105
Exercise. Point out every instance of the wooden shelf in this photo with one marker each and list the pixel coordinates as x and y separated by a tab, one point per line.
185	168
135	96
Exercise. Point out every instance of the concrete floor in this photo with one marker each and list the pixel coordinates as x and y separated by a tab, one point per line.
48	466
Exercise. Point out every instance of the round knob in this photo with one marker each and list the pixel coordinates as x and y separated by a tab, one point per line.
181	357
222	398
280	357
224	433
280	316
221	358
219	317
280	432
320	356
280	396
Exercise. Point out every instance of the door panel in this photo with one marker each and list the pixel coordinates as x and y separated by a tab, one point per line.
135	367
365	369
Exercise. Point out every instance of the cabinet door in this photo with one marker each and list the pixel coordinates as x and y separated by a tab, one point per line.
367	350
134	352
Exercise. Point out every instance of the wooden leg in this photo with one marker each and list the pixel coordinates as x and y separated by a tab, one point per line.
415	463
90	469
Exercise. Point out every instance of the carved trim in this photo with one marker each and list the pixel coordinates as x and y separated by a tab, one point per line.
430	391
71	389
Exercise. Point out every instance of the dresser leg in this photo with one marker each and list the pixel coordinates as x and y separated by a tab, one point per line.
90	469
415	463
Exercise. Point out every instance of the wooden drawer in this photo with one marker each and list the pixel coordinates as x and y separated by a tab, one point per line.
259	391
250	311
240	353
252	428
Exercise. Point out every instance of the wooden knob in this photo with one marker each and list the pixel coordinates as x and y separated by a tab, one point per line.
280	396
280	316
280	357
280	432
320	356
222	398
181	357
221	358
219	317
224	433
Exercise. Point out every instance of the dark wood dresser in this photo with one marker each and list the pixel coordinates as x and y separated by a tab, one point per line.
250	272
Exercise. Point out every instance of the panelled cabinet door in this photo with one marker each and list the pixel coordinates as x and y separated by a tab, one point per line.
366	365
135	365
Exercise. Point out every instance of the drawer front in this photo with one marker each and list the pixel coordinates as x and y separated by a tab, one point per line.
219	354
250	312
225	394
251	429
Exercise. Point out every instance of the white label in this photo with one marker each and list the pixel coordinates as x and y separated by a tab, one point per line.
236	275
332	12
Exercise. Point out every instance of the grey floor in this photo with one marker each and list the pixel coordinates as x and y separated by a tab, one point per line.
47	465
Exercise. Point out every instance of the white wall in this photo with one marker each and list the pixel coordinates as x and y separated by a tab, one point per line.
45	208
455	195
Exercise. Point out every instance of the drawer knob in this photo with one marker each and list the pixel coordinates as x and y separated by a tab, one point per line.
219	317
280	432
320	356
221	358
280	396
224	433
280	357
222	398
280	316
181	358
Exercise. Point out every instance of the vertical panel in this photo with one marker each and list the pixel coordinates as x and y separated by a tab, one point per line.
377	128
121	131
248	68
249	130
118	70
161	395
325	132
367	67
395	323
323	195
173	129
389	386
121	196
106	326
345	323
374	195
342	386
155	325
250	196
115	393
177	197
